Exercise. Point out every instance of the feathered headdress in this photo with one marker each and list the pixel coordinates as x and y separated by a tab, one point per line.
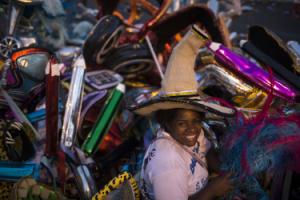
264	143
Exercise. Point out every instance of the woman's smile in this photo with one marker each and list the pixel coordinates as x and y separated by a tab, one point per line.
186	126
191	137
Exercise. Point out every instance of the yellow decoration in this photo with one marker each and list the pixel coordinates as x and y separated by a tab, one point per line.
115	183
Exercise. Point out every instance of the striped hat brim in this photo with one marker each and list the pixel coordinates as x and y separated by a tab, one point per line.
191	103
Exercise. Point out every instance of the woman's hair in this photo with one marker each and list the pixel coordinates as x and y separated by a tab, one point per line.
164	117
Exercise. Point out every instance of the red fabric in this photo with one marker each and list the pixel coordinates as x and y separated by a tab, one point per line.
112	139
61	168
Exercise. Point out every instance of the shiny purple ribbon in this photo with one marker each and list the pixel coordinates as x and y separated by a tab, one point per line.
252	72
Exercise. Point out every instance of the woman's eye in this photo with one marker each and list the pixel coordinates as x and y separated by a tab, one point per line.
181	124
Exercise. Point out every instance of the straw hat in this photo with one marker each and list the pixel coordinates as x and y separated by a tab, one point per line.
179	86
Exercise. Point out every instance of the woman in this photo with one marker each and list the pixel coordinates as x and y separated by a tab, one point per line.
175	165
169	171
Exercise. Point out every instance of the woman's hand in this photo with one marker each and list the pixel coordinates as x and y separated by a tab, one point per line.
220	185
216	187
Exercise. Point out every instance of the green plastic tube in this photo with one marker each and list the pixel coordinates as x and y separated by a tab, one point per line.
104	120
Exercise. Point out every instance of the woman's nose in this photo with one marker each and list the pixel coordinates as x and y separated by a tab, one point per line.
192	127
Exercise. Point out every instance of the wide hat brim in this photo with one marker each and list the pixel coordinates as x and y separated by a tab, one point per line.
191	103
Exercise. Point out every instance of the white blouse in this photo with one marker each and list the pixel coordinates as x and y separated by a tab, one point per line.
170	172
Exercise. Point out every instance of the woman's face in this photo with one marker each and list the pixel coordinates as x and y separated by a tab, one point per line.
185	127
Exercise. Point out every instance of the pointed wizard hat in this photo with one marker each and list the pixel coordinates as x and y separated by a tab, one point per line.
179	85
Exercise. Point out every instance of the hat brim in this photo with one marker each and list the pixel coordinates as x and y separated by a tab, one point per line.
167	103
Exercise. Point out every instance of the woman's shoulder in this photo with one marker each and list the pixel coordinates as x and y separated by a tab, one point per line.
165	154
167	147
